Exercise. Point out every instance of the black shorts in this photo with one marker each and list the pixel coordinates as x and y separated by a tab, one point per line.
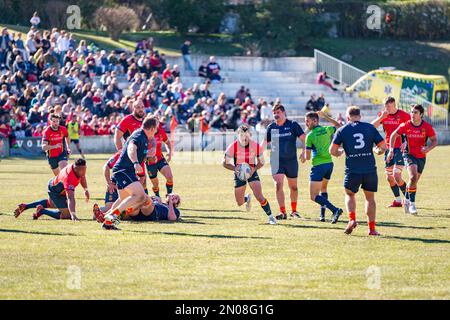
75	141
288	167
397	160
367	181
321	171
59	200
54	162
239	183
153	169
123	178
411	160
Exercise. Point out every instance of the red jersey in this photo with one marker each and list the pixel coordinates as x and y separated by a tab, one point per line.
65	180
416	137
128	125
87	130
54	137
391	123
247	154
160	138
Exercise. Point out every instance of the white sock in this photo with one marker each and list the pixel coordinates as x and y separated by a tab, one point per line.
398	199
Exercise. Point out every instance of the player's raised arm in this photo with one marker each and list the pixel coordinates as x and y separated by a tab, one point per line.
172	216
377	122
323	115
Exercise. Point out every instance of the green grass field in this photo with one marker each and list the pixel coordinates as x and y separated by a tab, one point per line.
219	251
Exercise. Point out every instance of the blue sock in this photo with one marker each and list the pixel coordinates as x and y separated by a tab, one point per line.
55	214
323	208
42	202
324	202
266	207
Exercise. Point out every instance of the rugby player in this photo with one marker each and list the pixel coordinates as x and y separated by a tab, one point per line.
416	132
124	173
73	129
357	138
246	150
318	142
129	124
282	135
56	143
61	194
160	163
156	210
391	117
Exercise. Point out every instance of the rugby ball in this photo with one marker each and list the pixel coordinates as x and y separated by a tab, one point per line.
243	171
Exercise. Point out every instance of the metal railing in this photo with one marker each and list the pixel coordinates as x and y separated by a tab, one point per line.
435	115
336	69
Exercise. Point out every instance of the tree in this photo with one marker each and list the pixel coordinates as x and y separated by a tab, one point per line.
116	20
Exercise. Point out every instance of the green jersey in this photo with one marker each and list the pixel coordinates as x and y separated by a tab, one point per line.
318	140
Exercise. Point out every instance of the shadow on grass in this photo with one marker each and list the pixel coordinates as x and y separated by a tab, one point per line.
401	226
418	239
303	226
214	236
182	220
210	210
36	232
221	218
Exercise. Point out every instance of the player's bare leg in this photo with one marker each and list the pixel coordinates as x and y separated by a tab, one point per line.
279	181
56	171
399	179
77	145
350	203
155	186
293	193
62	164
239	195
371	209
257	192
394	187
166	171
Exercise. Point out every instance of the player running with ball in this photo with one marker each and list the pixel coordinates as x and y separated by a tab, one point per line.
357	139
318	142
416	131
246	150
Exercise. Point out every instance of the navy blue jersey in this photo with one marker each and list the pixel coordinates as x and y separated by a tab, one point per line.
162	211
139	138
357	139
283	139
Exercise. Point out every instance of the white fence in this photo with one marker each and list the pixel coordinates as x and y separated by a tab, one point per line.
336	69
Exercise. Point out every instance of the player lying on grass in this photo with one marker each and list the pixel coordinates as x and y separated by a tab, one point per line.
61	194
357	138
154	210
246	150
318	142
416	131
124	173
390	118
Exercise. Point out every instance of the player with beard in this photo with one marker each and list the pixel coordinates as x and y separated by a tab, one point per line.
56	142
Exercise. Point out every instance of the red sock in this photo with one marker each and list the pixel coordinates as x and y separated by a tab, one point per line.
294	206
352	216
371	225
283	209
116	212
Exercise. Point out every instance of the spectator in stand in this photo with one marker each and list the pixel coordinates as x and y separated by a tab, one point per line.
185	52
5	46
213	70
321	101
35	20
312	105
203	70
322	79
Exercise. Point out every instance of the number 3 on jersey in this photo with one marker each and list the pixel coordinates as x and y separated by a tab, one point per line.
359	140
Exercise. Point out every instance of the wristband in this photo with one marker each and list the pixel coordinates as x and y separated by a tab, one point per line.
136	162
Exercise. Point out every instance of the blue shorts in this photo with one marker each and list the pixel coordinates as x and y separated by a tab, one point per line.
54	162
288	167
367	181
153	169
396	160
154	216
411	160
321	171
123	178
239	183
111	197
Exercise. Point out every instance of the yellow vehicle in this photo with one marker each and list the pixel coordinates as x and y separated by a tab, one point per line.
402	85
